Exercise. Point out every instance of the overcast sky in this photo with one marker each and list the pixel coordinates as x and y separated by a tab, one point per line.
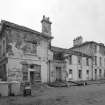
70	18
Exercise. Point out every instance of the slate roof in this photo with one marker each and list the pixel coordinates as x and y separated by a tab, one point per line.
71	52
88	42
23	28
58	49
68	51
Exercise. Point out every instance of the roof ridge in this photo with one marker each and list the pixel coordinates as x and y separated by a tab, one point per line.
87	42
21	27
77	52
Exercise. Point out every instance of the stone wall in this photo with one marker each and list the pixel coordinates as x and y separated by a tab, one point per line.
53	73
75	67
25	46
88	49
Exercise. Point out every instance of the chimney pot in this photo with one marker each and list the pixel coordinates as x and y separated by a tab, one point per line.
46	25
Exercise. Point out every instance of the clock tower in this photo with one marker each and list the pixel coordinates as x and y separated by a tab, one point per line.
46	25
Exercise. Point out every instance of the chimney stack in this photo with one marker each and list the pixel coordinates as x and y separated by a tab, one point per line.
77	41
46	25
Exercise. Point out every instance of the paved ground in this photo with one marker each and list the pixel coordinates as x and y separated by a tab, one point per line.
77	95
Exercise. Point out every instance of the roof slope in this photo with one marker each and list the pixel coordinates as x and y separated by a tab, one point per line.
23	28
68	51
58	49
71	52
86	43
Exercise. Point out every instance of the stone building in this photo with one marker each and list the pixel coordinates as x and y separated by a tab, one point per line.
27	55
70	65
96	51
78	66
24	53
84	61
57	68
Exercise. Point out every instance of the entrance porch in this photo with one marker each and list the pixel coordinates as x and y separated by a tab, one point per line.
32	74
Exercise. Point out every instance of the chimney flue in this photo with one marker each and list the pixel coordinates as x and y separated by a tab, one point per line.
46	25
77	41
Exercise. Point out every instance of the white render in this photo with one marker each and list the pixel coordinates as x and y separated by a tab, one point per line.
28	54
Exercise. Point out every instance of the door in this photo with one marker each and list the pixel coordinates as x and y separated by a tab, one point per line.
87	72
35	77
95	74
58	74
100	72
32	77
35	73
79	74
70	75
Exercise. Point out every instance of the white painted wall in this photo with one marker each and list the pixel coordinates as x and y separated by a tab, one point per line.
40	59
75	67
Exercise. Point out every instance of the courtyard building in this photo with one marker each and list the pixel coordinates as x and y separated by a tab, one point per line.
68	65
57	69
27	55
24	52
96	51
78	66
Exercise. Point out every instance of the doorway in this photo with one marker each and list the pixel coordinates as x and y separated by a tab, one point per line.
95	74
58	74
32	77
35	73
87	72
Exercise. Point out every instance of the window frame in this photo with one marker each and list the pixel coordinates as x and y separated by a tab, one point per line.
100	61
70	59
80	74
87	72
70	71
87	61
100	72
95	60
79	60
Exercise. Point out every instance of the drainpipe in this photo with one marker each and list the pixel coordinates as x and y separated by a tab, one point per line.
92	67
49	70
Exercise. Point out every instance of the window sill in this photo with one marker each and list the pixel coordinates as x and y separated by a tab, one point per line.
30	54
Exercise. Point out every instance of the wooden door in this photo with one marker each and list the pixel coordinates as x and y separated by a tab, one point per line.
32	77
58	74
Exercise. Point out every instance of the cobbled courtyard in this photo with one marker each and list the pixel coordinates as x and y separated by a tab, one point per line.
75	95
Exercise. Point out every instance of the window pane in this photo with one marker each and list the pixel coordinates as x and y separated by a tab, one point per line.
79	60
100	61
70	71
100	71
70	59
95	60
25	76
80	74
87	61
87	71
